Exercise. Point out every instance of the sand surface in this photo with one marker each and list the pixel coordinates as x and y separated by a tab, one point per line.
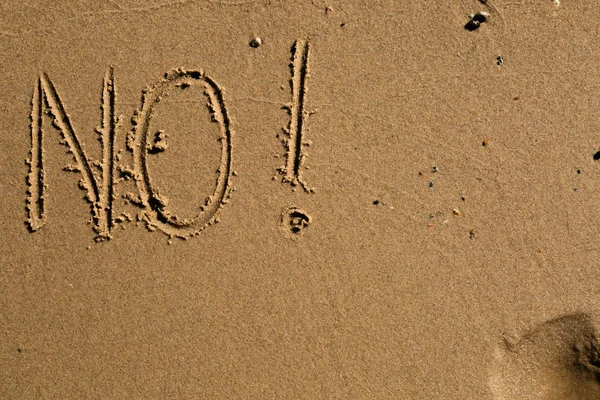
299	200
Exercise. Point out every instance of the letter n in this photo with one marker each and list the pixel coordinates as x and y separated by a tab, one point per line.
46	100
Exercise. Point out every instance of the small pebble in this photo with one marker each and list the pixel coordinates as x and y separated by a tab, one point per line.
256	42
431	183
434	169
472	25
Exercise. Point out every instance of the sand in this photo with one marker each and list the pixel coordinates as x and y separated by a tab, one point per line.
299	200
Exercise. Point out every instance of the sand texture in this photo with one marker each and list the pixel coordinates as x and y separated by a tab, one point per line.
269	199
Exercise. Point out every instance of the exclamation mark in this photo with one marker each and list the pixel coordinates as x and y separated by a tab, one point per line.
293	220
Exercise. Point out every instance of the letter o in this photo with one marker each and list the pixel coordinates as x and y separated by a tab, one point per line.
156	214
